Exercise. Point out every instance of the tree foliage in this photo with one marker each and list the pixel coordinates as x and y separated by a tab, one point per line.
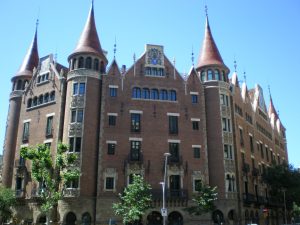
52	173
203	199
7	200
134	201
281	178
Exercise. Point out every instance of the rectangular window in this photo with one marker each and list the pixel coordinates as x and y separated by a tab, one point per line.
174	151
194	98
78	88
251	143
196	152
241	137
72	184
135	122
135	151
19	182
109	183
224	100
77	115
226	124
197	185
81	88
267	153
113	92
75	89
26	131
111	147
173	124
195	125
228	152
74	144
49	126
261	150
112	120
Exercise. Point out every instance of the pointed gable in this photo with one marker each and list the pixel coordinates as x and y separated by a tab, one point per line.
193	77
114	69
31	59
234	79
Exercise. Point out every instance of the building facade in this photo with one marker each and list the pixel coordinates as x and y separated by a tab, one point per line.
121	121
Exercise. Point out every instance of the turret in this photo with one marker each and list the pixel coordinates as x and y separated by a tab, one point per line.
19	82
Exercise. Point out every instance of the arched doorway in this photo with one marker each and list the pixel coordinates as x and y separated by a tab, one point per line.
42	219
154	218
231	216
175	218
218	217
70	218
86	219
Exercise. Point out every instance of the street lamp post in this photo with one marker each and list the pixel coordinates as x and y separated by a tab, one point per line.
285	220
163	184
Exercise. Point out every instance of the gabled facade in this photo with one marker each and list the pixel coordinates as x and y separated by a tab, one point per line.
120	122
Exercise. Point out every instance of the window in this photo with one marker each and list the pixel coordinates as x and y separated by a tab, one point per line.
173	124
197	185
196	152
195	125
194	98
96	64
224	99
40	100
52	96
209	75
223	76
174	151
163	95
34	103
173	96
112	120
80	62
136	92
49	126
75	144
203	76
251	143
72	184
154	94
113	91
29	103
46	97
146	93
217	75
230	183
267	153
261	150
135	122
228	152
78	88
74	64
77	115
226	124
26	131
135	151
241	137
109	183
88	63
19	182
111	147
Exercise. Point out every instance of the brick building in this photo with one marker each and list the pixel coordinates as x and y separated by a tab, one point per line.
121	122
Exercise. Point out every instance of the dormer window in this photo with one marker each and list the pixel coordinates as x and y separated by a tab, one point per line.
209	74
217	75
43	78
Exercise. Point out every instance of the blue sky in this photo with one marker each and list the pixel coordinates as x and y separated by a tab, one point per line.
263	37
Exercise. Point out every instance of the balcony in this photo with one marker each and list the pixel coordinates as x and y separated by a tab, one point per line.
249	198
175	160
173	197
135	158
71	192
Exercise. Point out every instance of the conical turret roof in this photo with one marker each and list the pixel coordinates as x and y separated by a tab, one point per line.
89	41
209	54
30	60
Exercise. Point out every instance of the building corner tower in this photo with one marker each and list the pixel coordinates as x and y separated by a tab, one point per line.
19	82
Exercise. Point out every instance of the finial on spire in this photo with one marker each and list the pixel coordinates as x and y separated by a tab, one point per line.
192	58
206	10
269	90
245	77
115	48
234	64
134	58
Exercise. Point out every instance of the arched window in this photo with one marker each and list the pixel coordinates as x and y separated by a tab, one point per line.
52	96
46	97
102	67
146	93
223	76
209	75
88	63
86	219
80	62
74	64
154	94
29	103
173	96
34	103
217	75
136	92
19	85
203	76
41	100
71	219
96	64
24	84
164	94
228	182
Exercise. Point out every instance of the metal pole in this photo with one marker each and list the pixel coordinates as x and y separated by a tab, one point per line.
164	185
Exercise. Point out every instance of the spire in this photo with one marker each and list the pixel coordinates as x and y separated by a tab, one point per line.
271	109
89	41
209	54
31	58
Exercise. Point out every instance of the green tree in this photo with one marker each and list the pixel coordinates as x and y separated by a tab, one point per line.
283	177
7	200
52	172
134	201
203	199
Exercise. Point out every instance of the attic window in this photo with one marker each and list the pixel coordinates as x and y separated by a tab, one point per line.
43	78
154	71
